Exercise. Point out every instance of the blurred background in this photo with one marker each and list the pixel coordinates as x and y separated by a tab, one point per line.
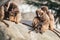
28	8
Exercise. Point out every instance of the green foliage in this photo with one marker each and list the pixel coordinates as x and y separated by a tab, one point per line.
52	4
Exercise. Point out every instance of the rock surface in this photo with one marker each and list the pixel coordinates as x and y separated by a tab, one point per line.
21	32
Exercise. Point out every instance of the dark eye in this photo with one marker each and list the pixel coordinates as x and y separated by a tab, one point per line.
41	13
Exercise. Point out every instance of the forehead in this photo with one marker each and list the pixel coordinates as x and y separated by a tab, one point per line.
40	11
44	7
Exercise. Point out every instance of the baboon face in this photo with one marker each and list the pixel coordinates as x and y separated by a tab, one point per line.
40	12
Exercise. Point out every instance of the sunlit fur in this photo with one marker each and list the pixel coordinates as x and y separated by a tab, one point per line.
14	14
51	17
41	19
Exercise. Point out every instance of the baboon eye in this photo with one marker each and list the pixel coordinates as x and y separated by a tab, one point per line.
42	13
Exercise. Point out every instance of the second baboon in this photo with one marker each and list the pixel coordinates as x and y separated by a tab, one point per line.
14	14
41	21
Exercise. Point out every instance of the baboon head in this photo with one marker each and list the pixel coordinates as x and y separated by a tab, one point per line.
44	8
39	13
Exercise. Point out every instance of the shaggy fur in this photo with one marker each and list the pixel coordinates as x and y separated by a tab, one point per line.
51	17
14	13
41	21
